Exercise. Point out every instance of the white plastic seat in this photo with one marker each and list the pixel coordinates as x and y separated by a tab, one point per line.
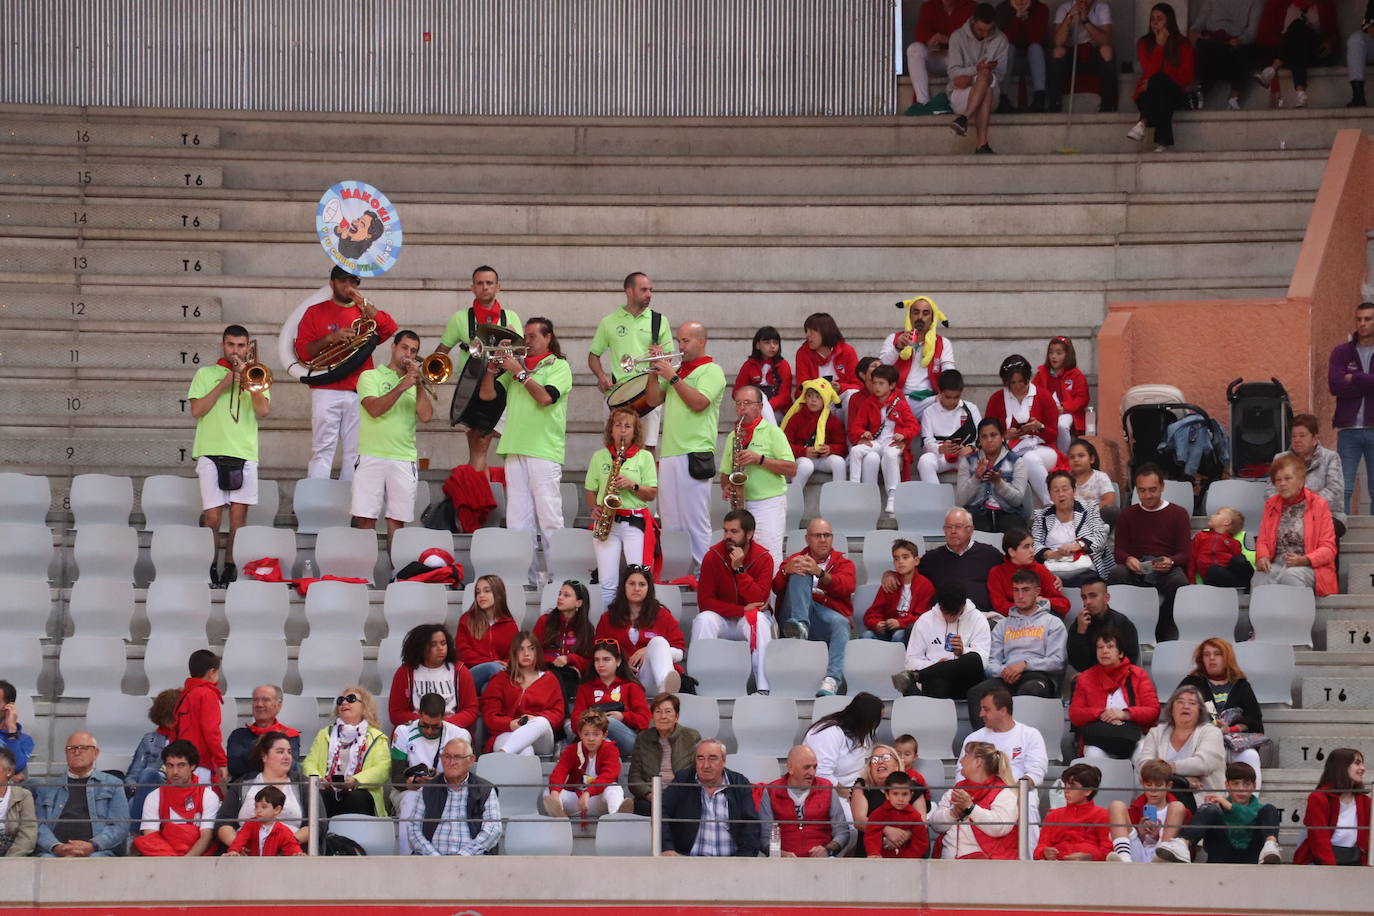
178	607
1283	614
337	609
1171	663
376	835
423	499
409	604
263	542
165	660
851	505
877	553
921	507
24	499
264	511
346	552
1139	604
795	667
321	502
301	713
932	722
1178	492
796	506
409	543
520	778
1203	611
670	596
571	496
106	551
170	500
1245	496
543	837
677	553
101	607
863	600
765	724
182	552
28	551
252	660
720	666
759	769
1270	668
1118	780
700	713
21	660
25	606
389	655
101	499
327	663
503	552
92	665
1047	715
255	608
569	554
623	835
118	722
991	538
933	771
869	665
497	517
824	706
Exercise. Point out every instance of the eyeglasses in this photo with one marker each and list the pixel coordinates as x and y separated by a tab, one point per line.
746	403
81	748
454	758
607	642
636	568
572	583
879	758
346	698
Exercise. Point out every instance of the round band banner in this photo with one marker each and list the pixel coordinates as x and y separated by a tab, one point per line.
359	229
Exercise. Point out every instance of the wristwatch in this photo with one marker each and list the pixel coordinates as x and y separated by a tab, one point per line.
522	375
674	380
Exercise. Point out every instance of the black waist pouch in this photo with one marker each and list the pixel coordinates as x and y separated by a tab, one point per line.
701	465
230	471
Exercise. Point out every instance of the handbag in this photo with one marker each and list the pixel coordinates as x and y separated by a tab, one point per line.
608	707
230	471
1082	563
701	465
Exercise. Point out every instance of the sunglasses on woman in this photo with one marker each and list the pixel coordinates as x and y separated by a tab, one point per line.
346	698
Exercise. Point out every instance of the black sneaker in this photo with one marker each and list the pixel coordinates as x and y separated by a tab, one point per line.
984	150
229	574
214	575
959	125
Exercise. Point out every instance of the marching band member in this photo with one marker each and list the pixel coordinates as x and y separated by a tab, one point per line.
635	481
462	329
631	330
763	453
880	427
391	402
334	406
226	437
919	353
536	435
691	397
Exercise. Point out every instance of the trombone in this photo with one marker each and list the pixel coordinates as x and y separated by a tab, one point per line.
641	363
254	376
435	369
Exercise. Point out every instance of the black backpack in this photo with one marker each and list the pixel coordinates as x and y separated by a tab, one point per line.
337	845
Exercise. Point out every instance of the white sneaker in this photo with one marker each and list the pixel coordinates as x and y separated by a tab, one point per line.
1270	854
829	687
1136	133
891	507
1175	850
1233	103
1301	99
1161	148
1265	77
1123	856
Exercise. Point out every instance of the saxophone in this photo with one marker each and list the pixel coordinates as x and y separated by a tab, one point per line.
737	475
611	501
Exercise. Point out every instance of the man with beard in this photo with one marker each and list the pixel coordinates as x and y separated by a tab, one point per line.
732	595
919	353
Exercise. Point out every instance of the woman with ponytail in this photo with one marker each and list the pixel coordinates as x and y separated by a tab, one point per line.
978	816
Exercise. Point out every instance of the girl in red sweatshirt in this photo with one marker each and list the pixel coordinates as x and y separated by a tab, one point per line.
1078	831
1061	377
523	706
767	370
485	632
611	687
585	779
1019	551
565	636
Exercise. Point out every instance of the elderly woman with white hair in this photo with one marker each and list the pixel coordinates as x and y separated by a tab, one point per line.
351	756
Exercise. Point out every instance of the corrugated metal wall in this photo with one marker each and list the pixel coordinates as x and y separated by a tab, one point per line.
582	58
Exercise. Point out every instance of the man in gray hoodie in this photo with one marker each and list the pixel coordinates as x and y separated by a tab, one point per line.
979	57
1029	647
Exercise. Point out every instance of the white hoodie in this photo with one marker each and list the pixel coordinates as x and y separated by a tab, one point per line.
927	643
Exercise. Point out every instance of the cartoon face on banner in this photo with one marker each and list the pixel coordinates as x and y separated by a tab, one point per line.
359	229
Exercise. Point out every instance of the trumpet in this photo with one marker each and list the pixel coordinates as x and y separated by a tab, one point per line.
641	363
435	369
479	350
254	376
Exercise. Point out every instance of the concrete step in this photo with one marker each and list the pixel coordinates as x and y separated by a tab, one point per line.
84	133
1306	750
1338	693
28	255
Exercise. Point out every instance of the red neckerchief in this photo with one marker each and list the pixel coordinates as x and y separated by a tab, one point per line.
1287	503
747	432
166	732
487	316
889	407
688	367
276	726
532	361
1117	676
225	363
982	793
632	450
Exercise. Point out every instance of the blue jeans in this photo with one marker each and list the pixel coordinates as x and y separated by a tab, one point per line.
623	736
889	636
1352	445
150	779
823	623
483	673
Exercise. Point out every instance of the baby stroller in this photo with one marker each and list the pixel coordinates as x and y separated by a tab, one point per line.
1162	428
1261	424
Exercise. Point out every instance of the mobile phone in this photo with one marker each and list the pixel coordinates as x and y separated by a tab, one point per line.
1151	813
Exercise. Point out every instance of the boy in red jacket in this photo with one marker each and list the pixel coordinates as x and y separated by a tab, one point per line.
264	835
893	614
585	778
197	716
1216	556
893	818
880	429
1078	831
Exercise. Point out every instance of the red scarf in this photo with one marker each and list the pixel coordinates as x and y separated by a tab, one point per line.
1117	676
276	726
688	367
487	316
185	800
532	361
747	432
983	794
225	363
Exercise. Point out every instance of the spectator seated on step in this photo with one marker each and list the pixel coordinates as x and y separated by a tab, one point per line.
1026	25
1083	30
936	21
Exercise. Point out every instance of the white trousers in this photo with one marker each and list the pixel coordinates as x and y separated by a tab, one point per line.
608	802
920	63
831	464
1065	432
866	460
333	420
710	625
684	503
770	520
657	665
534	737
930	467
533	500
624	540
1040	460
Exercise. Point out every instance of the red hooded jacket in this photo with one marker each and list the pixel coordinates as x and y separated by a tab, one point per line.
779	376
999	587
504	701
570	771
726	592
884	604
1071	388
1093	686
839	594
196	718
619	690
1076	828
868	416
494	646
844	360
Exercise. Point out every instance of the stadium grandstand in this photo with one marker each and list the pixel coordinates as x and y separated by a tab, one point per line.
669	433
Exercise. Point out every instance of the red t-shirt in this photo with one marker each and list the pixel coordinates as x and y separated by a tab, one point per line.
324	317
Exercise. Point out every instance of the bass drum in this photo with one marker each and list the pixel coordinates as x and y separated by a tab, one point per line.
633	393
286	346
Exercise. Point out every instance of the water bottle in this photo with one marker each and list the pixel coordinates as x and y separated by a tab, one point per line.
1090	421
775	843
